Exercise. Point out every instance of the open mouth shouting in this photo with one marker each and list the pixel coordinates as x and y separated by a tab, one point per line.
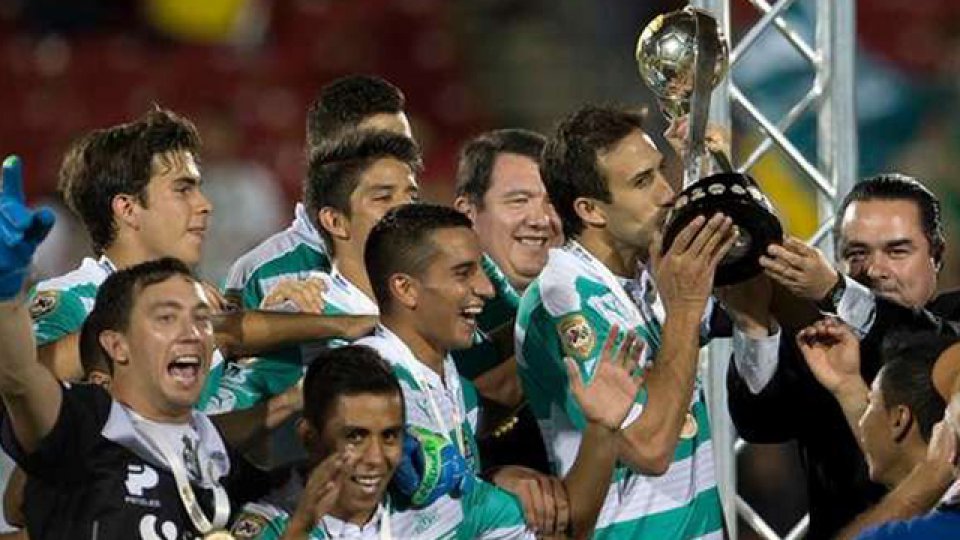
185	370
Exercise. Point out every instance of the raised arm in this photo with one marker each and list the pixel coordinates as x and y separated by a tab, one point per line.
605	399
62	357
833	354
684	277
30	392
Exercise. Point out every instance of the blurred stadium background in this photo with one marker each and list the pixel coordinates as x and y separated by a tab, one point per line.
245	71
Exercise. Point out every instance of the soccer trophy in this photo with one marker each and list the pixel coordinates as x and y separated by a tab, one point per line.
682	56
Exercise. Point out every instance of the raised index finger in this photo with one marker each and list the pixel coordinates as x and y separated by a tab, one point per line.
13	178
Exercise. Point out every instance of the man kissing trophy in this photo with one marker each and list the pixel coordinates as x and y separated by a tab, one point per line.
682	56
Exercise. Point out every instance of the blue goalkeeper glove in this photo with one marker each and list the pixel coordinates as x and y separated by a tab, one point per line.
431	467
21	230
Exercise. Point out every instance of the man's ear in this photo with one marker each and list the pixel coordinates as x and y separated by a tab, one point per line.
308	435
116	346
126	210
902	421
405	290
465	207
334	222
590	212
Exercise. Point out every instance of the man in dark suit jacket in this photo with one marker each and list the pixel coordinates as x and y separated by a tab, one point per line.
889	241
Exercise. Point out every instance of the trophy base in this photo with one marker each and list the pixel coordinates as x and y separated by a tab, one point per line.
737	196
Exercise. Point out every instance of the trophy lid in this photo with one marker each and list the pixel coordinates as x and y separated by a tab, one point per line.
738	196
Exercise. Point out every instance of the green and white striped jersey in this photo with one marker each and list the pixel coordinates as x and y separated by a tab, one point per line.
568	312
446	406
258	379
486	512
295	252
58	307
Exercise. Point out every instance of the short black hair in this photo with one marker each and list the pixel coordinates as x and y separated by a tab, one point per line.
118	160
569	165
908	359
894	187
401	243
336	166
346	102
117	294
479	154
344	371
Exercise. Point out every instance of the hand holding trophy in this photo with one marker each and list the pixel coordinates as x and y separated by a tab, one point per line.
682	56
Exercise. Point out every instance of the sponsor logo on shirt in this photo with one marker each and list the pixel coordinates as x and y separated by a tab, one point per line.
140	478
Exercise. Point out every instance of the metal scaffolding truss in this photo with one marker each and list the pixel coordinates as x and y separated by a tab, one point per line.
832	172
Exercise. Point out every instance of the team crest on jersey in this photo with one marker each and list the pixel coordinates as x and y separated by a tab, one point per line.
249	526
577	335
43	303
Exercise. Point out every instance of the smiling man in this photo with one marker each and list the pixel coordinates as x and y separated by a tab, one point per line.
351	183
143	444
353	430
500	190
424	263
890	246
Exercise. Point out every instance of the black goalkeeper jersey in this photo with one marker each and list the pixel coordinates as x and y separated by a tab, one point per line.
93	478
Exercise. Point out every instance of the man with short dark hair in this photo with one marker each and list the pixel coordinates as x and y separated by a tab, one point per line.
350	184
896	429
424	266
353	103
903	405
136	188
499	187
172	466
353	429
605	178
356	102
889	243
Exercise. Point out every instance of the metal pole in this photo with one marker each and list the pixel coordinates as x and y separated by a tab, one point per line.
836	122
833	173
717	356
